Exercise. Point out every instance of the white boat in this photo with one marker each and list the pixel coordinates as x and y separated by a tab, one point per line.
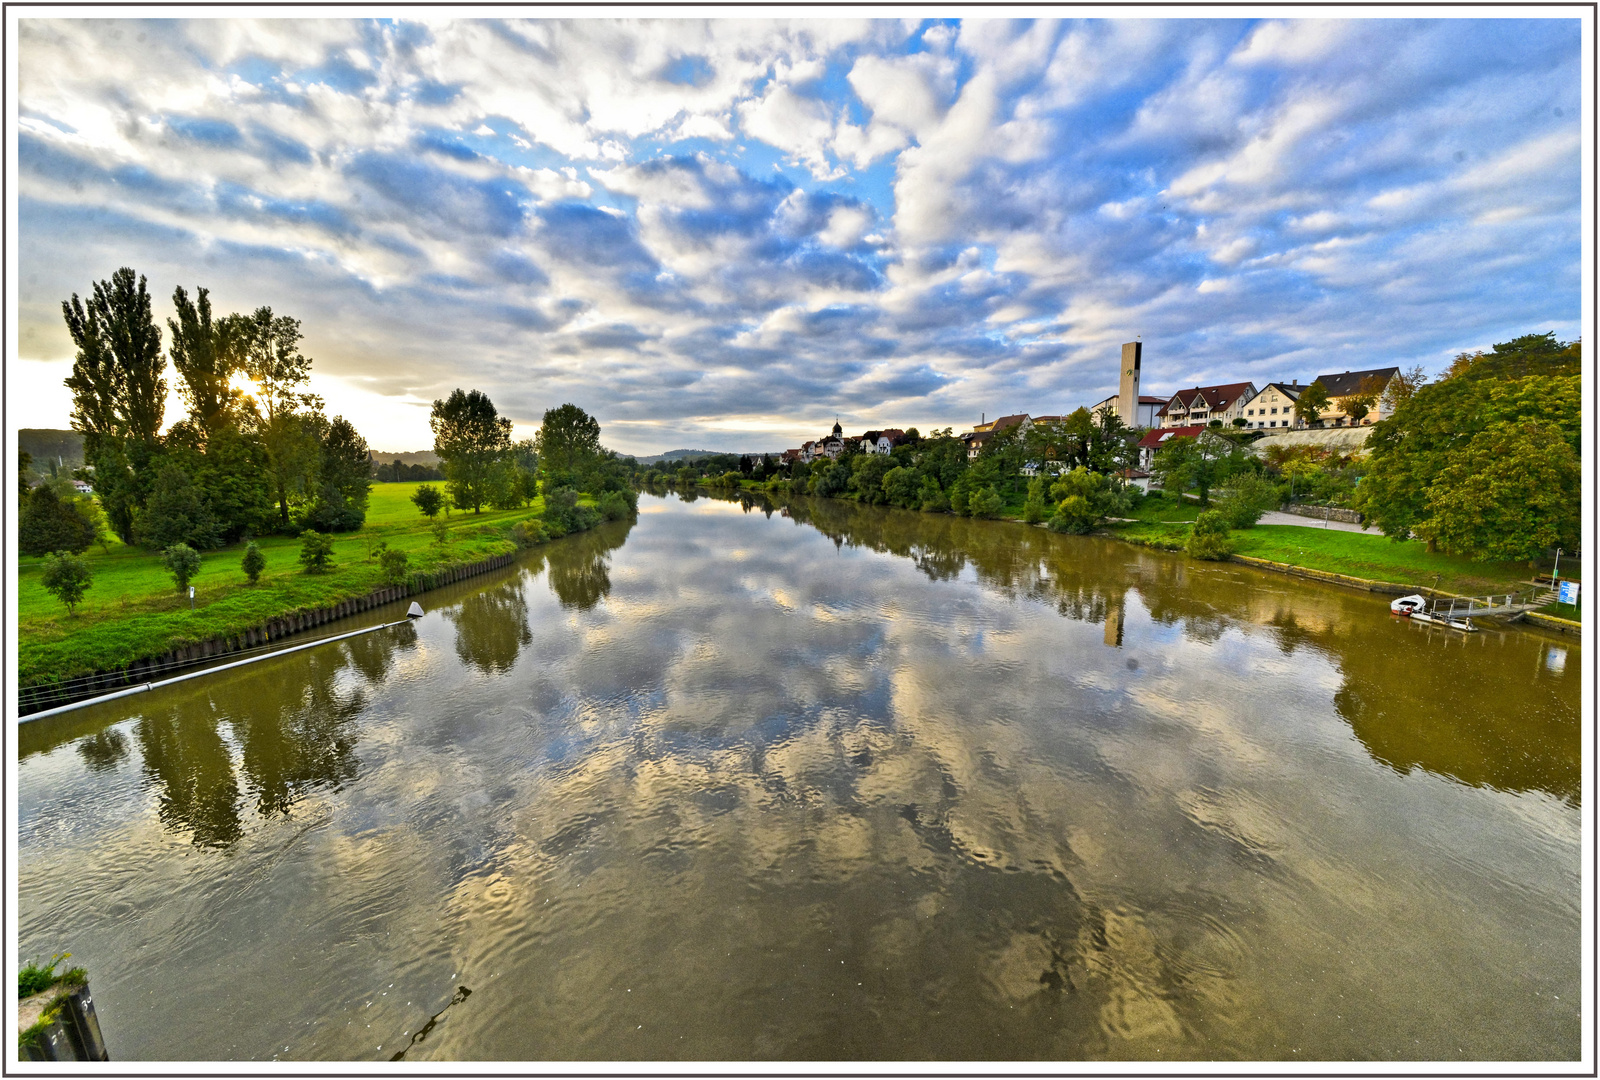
1409	605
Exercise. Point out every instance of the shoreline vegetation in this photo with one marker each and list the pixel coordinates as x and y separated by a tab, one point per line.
134	613
1364	560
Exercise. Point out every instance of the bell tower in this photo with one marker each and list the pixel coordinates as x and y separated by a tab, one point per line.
1128	387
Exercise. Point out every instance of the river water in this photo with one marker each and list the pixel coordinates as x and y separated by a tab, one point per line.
832	782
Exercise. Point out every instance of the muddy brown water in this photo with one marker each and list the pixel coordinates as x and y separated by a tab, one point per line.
832	782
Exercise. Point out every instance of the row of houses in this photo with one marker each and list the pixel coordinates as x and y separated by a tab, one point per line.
1272	406
833	444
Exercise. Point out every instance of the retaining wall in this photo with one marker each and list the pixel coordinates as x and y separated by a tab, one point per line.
1324	513
274	629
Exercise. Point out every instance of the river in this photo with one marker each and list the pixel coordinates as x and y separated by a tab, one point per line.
737	782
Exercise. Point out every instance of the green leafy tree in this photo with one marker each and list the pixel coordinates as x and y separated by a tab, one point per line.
1511	492
289	418
1210	539
866	477
1247	497
902	488
67	578
182	562
428	500
1312	403
206	353
1409	451
118	392
316	552
1530	354
49	523
1201	463
1084	498
344	480
985	503
177	512
1035	508
568	443
471	439
253	562
234	478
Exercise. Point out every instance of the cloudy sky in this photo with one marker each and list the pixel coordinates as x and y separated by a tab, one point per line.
724	233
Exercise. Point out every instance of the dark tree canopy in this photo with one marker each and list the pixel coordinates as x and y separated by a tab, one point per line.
568	442
206	353
49	523
471	439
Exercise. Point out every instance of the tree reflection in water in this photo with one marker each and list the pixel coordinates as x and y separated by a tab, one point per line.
293	734
104	750
492	627
580	566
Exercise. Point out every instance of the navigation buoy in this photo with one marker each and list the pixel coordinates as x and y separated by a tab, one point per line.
415	612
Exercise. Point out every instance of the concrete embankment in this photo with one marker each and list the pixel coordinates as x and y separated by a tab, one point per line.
35	698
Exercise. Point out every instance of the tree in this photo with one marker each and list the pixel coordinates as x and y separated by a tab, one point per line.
1402	387
866	477
118	393
1510	493
1530	354
1201	463
428	500
67	577
1034	509
177	512
1410	450
50	523
344	479
1248	496
470	438
235	479
568	442
1084	499
206	353
1312	403
316	552
985	503
289	419
182	562
253	562
394	566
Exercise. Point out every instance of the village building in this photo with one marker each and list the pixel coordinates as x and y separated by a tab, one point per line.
1144	412
1204	404
1272	406
1341	388
1155	438
983	432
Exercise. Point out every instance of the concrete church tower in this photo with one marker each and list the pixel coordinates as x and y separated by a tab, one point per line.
1128	389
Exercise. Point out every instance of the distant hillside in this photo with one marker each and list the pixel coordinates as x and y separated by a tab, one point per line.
410	457
49	444
681	455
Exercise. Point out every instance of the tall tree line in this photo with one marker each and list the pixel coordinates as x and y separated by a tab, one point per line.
254	452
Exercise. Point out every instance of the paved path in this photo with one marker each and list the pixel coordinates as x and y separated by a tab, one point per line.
1275	517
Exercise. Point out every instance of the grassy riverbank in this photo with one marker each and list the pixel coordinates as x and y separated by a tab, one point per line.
1165	523
132	610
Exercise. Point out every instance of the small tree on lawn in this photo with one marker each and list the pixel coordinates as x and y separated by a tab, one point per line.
428	500
68	577
182	562
395	566
1210	539
253	562
316	552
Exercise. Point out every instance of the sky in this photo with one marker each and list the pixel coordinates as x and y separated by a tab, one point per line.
724	233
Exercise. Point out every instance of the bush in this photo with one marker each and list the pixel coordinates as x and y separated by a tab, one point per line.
316	552
67	577
335	512
528	533
985	504
1248	496
253	562
613	506
958	502
1033	511
50	523
182	562
441	532
395	566
1075	514
1210	539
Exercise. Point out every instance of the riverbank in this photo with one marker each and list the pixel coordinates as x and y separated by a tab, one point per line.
132	613
1368	561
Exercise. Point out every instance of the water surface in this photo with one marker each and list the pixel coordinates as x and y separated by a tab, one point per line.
832	782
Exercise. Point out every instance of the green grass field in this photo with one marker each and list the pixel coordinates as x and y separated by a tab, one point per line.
133	611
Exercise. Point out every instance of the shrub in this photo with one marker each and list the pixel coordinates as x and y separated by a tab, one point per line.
50	523
428	500
182	562
253	562
316	552
1033	511
958	502
528	533
68	577
1248	496
395	566
1074	514
1209	538
986	503
441	532
613	506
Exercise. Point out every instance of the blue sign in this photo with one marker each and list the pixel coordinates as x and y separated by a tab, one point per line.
1569	592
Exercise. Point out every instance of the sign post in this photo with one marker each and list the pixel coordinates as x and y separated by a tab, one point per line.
1569	592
